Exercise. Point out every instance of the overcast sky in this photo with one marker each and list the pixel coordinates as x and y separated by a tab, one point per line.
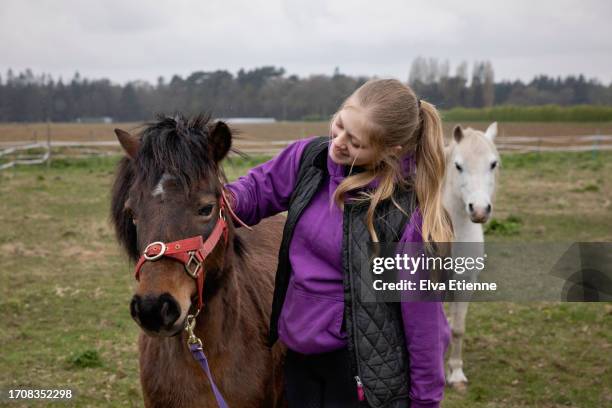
143	39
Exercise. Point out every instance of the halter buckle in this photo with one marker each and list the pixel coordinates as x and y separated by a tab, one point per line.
155	257
193	260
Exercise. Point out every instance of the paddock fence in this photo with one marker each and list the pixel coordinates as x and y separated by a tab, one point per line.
14	153
27	157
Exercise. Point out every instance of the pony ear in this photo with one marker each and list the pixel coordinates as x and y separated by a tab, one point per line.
129	143
219	140
491	131
458	133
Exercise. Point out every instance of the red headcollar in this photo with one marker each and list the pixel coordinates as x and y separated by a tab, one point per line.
191	252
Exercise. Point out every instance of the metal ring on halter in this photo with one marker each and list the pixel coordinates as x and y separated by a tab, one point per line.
193	260
156	256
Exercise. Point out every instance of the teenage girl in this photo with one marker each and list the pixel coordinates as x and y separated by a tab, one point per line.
378	177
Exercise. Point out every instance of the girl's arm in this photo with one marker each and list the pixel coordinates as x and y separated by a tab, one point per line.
266	189
427	337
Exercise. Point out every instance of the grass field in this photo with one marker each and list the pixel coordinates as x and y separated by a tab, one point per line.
65	288
545	113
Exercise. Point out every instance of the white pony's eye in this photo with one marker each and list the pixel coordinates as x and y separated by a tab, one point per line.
459	167
494	165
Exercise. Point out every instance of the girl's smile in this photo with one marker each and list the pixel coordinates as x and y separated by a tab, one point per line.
349	144
340	152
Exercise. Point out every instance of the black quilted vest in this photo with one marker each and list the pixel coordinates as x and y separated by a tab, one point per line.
375	331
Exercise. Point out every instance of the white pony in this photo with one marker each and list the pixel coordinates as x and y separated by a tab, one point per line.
469	185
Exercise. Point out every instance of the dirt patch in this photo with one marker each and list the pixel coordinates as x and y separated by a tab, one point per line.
21	250
82	253
279	131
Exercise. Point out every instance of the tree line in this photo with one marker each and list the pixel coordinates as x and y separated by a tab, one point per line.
269	92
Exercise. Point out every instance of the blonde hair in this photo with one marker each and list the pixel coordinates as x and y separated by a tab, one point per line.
395	117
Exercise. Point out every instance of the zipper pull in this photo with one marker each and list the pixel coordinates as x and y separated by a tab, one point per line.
360	393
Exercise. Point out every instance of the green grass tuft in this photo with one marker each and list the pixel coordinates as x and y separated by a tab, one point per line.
86	359
510	226
589	188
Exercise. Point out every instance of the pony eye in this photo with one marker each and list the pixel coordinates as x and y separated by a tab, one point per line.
130	214
494	165
206	210
459	168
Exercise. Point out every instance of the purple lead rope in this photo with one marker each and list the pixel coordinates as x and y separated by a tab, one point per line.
198	354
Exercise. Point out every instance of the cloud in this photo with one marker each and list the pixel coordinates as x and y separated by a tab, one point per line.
141	39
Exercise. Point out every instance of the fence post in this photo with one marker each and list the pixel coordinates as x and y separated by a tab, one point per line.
595	145
48	143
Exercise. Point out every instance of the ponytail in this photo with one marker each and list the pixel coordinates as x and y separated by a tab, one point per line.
430	168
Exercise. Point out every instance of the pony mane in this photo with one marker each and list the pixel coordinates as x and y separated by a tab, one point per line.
176	146
121	220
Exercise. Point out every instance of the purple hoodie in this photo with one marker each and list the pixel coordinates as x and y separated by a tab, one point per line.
312	314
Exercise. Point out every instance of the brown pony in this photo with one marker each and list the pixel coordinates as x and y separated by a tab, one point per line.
169	188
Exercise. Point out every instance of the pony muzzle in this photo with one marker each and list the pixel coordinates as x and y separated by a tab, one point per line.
156	315
479	213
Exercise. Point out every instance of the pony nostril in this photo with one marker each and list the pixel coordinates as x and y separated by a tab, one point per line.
169	310
489	208
135	306
471	207
155	313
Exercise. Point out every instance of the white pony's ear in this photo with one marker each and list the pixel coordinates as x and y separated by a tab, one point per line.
458	133
491	131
